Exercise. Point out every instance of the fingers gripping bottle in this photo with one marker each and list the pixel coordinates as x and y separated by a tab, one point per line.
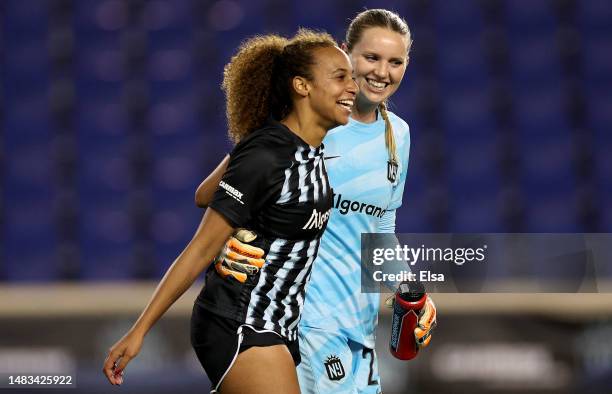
409	299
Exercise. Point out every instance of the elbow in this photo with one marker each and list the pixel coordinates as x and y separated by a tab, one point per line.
199	201
202	198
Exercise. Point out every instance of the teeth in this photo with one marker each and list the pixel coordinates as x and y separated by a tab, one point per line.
346	103
378	85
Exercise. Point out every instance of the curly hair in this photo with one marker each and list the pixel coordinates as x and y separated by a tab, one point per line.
257	80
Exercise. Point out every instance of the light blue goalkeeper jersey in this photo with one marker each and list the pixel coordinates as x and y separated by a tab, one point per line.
364	202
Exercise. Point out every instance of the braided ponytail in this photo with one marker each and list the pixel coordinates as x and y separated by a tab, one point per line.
389	136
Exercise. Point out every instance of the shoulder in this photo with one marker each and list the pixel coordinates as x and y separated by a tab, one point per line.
402	133
264	149
400	126
268	139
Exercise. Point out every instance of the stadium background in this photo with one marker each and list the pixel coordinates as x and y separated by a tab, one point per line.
111	114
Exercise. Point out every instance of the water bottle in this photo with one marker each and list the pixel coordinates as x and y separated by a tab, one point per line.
409	299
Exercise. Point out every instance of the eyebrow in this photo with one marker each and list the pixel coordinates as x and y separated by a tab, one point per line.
340	69
366	53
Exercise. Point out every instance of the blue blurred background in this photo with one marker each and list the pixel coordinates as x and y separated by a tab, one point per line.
111	114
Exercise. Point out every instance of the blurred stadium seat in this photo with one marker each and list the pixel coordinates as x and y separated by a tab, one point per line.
149	113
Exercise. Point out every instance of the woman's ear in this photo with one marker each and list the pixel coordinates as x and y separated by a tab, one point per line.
301	86
344	47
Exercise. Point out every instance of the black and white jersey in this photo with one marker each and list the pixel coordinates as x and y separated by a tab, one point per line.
275	185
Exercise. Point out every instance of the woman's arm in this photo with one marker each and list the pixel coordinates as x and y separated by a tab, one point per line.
207	188
210	236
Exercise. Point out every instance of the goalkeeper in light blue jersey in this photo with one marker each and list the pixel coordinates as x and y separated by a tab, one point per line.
367	162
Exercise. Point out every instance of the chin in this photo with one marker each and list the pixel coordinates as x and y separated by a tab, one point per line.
339	118
334	124
342	120
376	98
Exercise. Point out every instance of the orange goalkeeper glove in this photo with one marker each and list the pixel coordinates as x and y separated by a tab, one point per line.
239	259
427	322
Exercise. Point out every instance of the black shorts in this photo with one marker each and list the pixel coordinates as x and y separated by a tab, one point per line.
215	341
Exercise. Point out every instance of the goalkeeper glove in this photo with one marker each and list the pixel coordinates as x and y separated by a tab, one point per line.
239	259
426	323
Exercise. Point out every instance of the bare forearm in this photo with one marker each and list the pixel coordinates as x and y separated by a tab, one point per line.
196	257
207	188
179	277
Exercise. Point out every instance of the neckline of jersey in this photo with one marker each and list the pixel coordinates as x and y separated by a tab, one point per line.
295	136
362	126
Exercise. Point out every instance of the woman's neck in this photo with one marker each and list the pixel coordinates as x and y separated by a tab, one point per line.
306	129
364	111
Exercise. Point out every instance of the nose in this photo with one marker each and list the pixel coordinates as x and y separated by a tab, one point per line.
381	70
352	86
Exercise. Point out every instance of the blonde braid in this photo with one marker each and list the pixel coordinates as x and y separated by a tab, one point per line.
389	137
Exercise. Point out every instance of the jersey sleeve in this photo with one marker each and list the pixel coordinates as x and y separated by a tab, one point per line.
247	184
387	222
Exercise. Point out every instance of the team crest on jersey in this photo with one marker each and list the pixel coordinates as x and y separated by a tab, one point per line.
334	368
392	170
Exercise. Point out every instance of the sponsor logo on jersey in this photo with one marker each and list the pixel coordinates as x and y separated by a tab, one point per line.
317	220
334	368
345	206
232	191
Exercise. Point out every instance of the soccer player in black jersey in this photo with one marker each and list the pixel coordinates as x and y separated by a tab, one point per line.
282	97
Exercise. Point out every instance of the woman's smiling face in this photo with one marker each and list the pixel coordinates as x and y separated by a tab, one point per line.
379	61
333	88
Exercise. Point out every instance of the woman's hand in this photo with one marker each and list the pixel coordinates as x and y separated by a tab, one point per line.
120	355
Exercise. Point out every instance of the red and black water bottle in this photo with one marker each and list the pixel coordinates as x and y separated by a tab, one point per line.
409	299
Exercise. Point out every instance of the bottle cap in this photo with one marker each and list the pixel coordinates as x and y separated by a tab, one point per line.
411	291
